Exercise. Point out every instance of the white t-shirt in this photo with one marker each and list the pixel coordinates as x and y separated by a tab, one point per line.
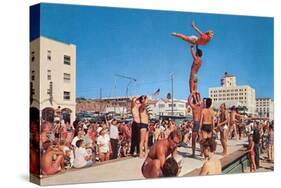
75	139
103	143
79	160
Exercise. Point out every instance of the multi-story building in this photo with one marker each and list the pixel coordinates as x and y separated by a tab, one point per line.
233	95
265	108
53	77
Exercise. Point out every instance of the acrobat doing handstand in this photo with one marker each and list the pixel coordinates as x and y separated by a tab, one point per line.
193	79
203	38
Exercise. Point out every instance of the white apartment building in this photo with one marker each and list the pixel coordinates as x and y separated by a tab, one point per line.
232	94
163	107
53	77
265	108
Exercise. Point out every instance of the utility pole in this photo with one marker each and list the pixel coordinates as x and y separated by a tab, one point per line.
131	79
100	100
172	84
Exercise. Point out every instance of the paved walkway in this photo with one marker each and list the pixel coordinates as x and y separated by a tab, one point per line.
129	169
265	165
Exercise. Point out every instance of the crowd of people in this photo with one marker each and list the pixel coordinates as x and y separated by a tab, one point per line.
62	145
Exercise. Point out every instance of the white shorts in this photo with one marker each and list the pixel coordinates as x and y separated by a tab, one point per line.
193	39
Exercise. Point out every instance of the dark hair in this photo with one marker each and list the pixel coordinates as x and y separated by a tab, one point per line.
46	144
170	167
78	143
210	143
271	126
199	51
232	108
208	102
142	98
174	134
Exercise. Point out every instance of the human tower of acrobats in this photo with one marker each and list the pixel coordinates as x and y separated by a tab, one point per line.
156	163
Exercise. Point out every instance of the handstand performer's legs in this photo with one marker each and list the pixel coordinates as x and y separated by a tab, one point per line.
191	40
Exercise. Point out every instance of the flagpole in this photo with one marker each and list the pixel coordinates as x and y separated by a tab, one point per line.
172	84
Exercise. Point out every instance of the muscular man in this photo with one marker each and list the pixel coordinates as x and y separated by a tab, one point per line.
207	121
156	158
52	160
143	126
213	165
233	122
135	105
196	113
223	128
193	79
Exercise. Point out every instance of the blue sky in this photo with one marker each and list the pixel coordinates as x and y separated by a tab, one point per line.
137	43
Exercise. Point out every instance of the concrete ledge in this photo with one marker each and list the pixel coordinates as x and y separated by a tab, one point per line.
229	162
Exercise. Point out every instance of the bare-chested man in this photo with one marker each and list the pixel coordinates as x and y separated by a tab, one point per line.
193	79
223	128
143	126
233	122
207	121
135	106
52	160
196	113
213	165
155	160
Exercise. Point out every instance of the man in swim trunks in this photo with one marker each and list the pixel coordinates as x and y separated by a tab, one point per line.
135	105
157	156
223	128
196	113
207	121
193	79
203	38
233	122
143	126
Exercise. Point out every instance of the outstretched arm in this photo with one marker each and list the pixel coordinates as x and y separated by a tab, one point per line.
192	52
204	170
196	29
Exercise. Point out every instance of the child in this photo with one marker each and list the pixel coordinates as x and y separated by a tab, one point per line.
251	154
203	38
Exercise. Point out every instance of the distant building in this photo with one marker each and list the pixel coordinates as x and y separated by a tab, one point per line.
122	106
265	108
119	105
53	77
163	107
232	94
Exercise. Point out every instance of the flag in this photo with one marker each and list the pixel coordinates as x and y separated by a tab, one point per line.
156	92
169	96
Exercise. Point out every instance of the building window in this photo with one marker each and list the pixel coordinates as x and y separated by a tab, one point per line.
49	76
49	55
66	77
66	95
66	60
32	75
32	56
161	105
